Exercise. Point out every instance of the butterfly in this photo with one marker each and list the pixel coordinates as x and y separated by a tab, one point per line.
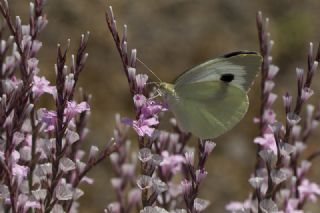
211	98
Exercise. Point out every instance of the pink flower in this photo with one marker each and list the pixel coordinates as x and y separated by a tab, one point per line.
238	206
271	99
141	80
36	45
287	100
171	163
306	93
235	206
148	116
201	174
268	86
269	116
87	180
273	71
113	207
18	137
20	171
151	108
49	118
304	168
309	190
73	108
12	84
256	120
186	187
267	142
41	85
189	157
144	126
209	146
33	65
2	156
139	100
175	189
292	205
134	196
31	205
28	140
15	157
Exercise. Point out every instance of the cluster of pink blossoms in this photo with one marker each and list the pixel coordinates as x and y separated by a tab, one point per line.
147	110
49	117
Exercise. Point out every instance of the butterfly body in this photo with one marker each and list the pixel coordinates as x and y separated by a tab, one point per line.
166	89
211	98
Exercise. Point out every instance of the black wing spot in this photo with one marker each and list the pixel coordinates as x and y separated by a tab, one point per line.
227	77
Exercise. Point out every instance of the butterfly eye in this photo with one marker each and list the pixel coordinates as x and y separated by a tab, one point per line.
227	77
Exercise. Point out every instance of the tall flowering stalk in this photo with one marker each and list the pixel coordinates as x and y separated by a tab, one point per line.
162	154
280	179
41	162
195	176
146	109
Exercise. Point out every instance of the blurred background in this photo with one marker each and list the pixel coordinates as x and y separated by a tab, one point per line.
172	36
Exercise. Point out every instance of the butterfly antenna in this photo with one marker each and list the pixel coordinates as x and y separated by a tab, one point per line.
148	69
152	82
158	94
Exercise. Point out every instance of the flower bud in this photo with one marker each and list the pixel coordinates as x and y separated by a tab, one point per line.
93	154
186	187
189	158
208	147
133	57
272	72
306	93
268	86
141	80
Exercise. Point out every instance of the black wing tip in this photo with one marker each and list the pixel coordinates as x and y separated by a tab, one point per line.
232	54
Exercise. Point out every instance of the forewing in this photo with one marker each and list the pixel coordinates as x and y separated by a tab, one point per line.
239	68
208	109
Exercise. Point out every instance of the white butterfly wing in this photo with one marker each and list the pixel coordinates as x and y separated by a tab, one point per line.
208	109
237	68
211	98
